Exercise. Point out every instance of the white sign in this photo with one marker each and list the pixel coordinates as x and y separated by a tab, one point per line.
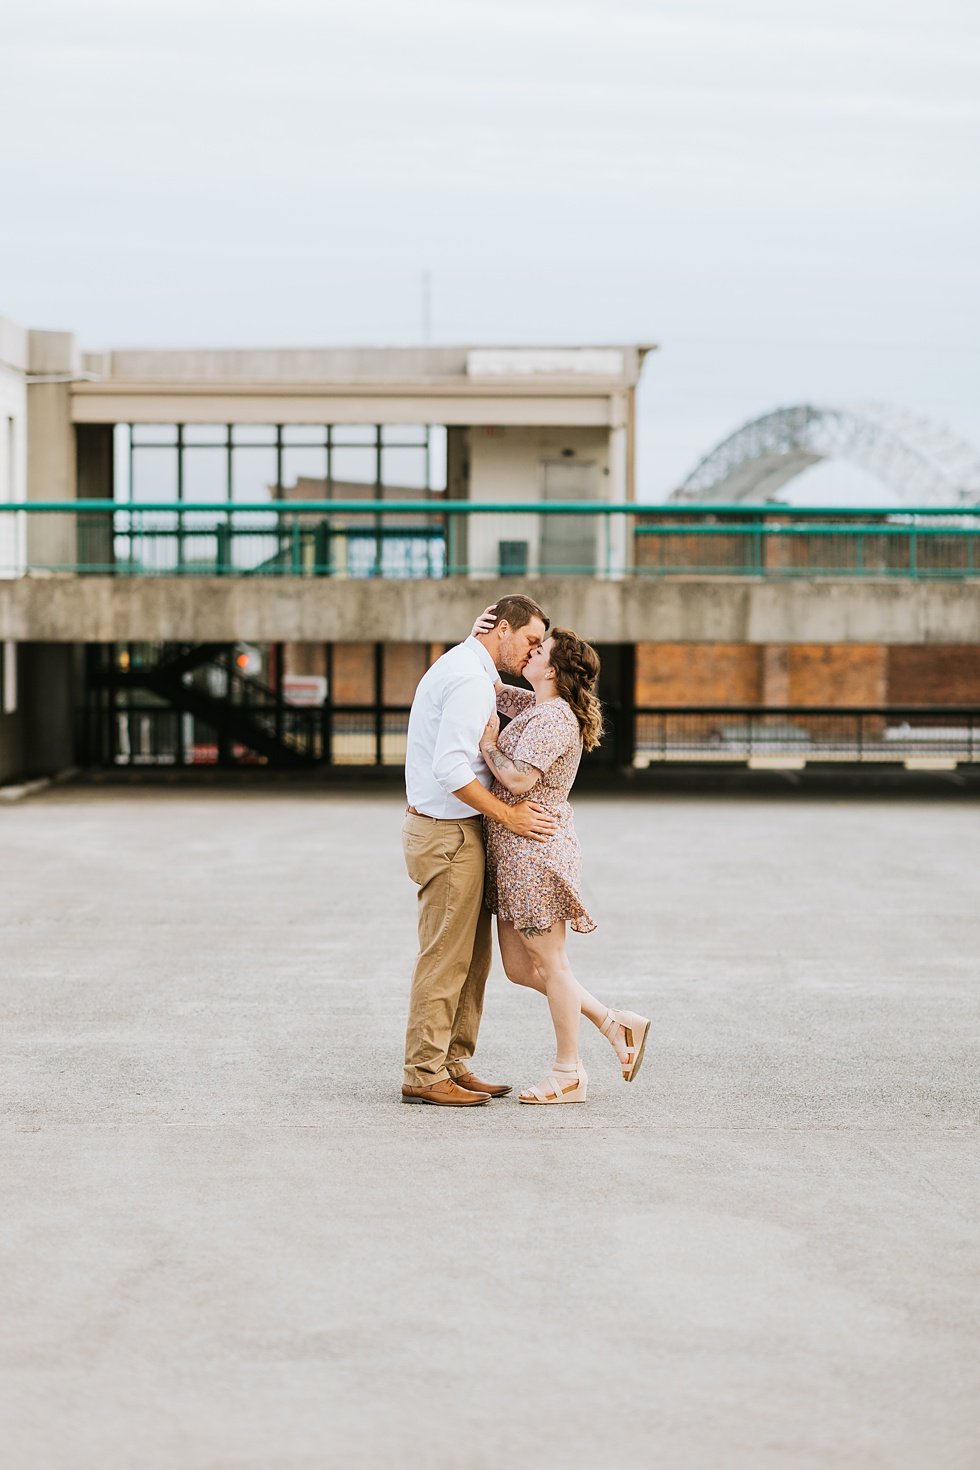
304	689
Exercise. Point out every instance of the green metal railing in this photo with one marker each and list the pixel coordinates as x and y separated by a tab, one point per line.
434	539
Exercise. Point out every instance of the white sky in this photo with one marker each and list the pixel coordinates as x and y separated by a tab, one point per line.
781	193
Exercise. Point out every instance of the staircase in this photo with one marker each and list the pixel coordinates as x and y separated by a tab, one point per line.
250	716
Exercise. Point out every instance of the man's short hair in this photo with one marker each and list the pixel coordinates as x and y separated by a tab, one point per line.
518	611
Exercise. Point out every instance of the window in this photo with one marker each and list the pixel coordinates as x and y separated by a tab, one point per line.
261	465
262	462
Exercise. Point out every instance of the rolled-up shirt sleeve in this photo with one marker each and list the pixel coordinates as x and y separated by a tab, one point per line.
465	712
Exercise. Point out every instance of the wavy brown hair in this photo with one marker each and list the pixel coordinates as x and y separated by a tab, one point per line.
576	666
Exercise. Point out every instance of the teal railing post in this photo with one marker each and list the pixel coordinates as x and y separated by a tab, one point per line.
913	557
222	551
321	553
296	551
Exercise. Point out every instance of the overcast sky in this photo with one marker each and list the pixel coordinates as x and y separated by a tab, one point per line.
781	193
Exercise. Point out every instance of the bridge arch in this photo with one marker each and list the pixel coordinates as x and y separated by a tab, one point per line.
923	463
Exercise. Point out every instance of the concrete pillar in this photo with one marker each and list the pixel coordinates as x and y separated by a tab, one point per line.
618	531
51	463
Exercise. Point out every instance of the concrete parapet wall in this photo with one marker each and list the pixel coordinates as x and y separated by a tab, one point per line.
14	345
73	609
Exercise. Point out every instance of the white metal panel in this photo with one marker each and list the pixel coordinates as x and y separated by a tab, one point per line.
520	362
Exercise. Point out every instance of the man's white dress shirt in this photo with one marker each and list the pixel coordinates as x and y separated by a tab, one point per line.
452	704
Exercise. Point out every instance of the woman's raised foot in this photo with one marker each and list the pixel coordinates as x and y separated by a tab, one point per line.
627	1033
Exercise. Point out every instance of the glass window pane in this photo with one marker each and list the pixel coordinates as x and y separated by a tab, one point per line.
304	434
253	474
253	433
404	469
154	433
304	473
353	467
403	433
206	434
354	433
154	474
205	474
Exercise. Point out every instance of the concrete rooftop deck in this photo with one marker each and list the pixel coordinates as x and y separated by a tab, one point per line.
229	1247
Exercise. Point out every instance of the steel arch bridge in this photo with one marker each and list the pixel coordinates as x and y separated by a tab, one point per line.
922	462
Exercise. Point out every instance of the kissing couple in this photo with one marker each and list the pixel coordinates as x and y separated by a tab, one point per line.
489	830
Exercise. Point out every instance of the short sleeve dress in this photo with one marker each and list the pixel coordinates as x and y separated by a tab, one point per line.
534	884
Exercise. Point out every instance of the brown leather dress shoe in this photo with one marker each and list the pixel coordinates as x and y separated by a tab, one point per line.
445	1095
473	1084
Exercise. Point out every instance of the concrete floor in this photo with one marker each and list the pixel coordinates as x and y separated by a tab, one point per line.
229	1247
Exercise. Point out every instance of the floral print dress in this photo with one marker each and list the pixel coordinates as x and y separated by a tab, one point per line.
534	884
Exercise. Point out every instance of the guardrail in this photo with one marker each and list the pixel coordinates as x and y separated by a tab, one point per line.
799	735
434	539
139	732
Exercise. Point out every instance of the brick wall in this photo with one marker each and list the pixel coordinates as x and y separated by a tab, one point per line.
805	674
404	665
708	674
837	673
353	673
935	675
698	673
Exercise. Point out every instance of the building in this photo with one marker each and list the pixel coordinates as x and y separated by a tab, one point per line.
242	556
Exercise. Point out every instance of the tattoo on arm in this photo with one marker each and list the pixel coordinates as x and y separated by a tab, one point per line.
515	775
501	762
510	700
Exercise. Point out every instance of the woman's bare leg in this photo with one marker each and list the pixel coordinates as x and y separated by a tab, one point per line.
521	966
562	989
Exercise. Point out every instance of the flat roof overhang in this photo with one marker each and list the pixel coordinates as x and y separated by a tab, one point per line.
585	404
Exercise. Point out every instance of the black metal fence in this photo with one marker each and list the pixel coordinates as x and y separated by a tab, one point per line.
800	735
148	733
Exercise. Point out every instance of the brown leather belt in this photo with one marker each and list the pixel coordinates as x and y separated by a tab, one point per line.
414	812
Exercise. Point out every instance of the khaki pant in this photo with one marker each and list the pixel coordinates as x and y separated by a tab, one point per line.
446	860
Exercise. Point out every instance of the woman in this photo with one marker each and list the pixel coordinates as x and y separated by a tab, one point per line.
533	887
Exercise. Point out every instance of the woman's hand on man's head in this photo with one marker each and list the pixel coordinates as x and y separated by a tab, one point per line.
486	622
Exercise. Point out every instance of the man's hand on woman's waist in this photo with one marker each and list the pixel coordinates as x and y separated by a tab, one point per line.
525	819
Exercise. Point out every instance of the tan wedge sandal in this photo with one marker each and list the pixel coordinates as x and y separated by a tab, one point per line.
636	1029
560	1086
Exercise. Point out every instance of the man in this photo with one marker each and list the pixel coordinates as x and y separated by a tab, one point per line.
447	780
